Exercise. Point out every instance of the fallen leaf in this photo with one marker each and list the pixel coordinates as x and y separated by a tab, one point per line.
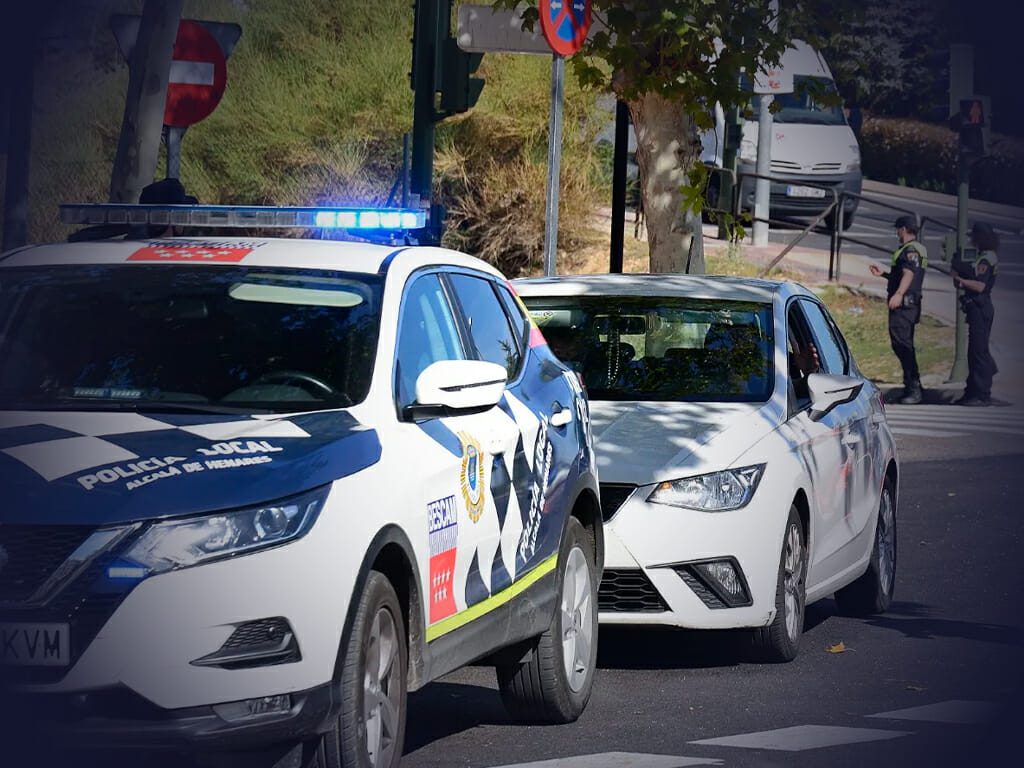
916	688
951	493
839	647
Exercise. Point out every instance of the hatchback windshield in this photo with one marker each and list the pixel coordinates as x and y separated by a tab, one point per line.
162	337
649	348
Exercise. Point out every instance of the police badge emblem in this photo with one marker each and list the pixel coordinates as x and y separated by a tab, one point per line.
471	476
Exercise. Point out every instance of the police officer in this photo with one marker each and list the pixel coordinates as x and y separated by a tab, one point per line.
906	283
976	280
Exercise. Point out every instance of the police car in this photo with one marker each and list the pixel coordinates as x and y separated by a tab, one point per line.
257	489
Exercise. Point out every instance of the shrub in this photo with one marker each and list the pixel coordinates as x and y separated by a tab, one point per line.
923	155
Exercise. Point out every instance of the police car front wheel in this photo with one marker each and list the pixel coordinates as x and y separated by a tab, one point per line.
370	730
553	683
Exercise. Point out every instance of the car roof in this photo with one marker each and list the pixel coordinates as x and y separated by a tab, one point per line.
296	253
692	286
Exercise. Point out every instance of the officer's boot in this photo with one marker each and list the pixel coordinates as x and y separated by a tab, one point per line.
912	394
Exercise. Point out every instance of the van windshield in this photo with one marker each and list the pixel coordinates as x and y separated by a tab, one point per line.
176	338
814	101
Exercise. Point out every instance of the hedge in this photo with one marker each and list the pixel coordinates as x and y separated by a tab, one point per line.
924	156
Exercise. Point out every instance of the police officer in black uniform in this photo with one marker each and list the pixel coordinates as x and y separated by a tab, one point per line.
906	283
977	280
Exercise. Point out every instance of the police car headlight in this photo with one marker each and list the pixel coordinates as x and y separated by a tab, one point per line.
182	543
714	492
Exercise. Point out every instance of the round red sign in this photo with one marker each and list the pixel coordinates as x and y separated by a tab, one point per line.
564	24
198	76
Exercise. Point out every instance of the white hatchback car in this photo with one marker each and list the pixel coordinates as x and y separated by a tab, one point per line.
254	490
746	464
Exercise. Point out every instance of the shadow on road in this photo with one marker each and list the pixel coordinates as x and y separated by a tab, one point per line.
668	648
918	621
443	709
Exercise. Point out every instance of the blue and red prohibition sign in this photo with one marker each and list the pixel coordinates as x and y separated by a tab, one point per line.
565	24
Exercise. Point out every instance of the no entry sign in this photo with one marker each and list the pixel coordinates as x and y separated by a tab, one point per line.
565	24
197	78
198	73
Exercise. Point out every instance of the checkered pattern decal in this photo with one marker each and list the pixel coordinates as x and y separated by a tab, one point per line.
55	445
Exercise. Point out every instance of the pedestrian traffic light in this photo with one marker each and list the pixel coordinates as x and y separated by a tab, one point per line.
973	125
459	89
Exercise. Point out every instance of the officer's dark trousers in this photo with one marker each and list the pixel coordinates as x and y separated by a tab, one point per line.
981	367
901	334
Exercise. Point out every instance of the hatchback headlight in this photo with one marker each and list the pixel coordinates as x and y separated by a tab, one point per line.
182	543
713	492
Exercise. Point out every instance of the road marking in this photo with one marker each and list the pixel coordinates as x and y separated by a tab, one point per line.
951	421
922	432
801	737
619	760
953	711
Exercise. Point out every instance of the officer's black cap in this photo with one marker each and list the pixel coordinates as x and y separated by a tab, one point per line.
981	228
908	222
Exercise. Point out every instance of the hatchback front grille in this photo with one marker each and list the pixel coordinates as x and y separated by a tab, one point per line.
628	590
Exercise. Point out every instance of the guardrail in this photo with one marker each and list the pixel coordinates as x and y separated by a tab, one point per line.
823	223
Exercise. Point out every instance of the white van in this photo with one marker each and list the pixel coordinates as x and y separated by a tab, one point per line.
811	144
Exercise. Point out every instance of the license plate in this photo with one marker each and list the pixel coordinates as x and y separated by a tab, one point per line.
793	191
38	645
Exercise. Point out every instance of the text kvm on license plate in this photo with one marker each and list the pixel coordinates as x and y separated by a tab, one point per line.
796	191
42	645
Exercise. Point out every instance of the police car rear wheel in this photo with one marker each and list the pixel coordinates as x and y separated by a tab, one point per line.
553	683
872	592
370	730
780	640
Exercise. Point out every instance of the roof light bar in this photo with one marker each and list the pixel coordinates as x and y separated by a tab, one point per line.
390	219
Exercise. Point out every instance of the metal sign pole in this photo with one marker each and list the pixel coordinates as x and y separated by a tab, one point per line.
554	163
762	189
172	141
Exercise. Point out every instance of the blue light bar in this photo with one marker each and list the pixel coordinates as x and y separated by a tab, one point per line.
227	216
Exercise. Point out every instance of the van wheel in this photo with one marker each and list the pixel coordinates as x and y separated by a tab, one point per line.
553	683
370	730
780	640
872	592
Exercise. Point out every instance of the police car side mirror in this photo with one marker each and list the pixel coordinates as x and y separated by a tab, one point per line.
457	386
830	390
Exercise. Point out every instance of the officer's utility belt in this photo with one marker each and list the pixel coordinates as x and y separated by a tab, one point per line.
911	300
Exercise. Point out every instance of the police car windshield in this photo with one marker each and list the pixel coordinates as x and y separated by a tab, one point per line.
169	337
662	349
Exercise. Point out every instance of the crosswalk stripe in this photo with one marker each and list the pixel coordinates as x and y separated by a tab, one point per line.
801	737
956	711
923	432
619	760
956	425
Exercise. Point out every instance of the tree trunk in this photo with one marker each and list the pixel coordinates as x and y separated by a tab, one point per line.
148	70
665	151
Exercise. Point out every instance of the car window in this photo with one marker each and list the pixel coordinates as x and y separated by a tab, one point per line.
802	353
427	334
517	315
489	327
832	358
662	348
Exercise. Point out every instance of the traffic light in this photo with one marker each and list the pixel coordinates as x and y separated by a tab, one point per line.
973	125
459	89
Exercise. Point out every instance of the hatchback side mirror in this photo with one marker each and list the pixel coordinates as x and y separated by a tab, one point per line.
830	390
457	386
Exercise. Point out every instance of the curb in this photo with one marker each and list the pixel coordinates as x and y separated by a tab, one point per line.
910	193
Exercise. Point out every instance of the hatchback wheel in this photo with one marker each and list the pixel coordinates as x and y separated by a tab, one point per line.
553	683
872	592
780	640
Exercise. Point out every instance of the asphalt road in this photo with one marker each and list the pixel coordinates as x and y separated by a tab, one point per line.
937	681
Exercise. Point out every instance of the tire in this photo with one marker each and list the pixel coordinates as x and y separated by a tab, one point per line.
548	686
370	729
848	219
872	592
780	640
